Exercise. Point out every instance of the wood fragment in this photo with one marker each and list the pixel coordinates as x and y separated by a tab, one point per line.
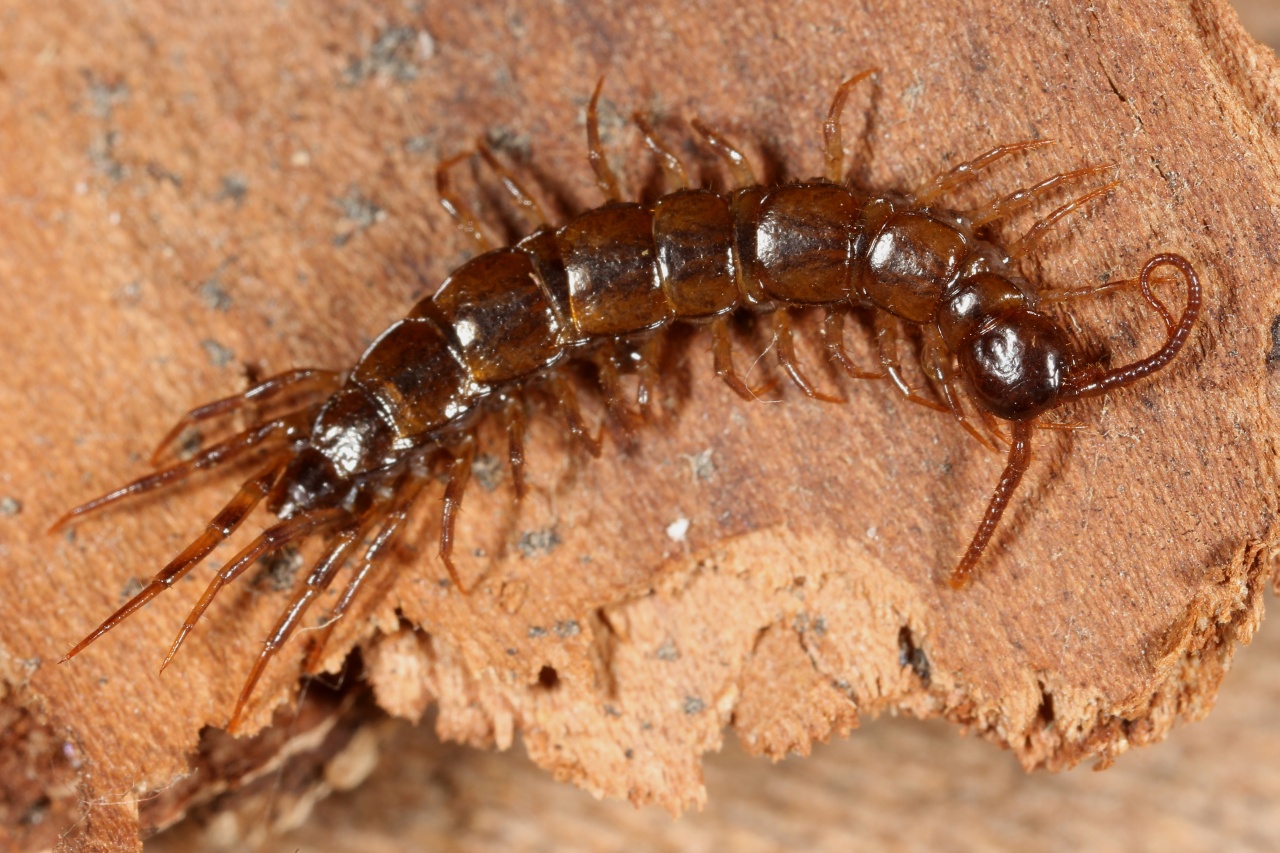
187	196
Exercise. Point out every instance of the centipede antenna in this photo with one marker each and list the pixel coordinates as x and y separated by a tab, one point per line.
1087	385
605	178
1015	467
831	130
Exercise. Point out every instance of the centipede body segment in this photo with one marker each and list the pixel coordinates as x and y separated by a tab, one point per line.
345	455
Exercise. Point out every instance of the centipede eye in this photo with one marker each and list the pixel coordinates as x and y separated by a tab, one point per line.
1017	364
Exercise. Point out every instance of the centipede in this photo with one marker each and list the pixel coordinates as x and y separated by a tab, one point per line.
344	455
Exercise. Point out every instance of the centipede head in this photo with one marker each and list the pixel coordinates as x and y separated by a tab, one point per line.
1017	364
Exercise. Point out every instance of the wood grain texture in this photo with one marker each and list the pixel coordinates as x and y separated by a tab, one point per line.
184	194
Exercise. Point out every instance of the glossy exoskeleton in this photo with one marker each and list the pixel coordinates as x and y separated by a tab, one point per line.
354	449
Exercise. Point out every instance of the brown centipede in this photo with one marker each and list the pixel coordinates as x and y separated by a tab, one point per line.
346	454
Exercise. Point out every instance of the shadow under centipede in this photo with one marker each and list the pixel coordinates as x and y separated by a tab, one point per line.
675	370
774	167
706	171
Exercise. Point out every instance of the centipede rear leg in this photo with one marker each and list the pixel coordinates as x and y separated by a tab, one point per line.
228	519
267	542
260	438
295	388
316	583
406	491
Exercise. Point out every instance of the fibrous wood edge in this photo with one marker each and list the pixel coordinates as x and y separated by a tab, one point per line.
254	193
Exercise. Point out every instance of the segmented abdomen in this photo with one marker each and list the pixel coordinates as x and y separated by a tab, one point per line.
614	271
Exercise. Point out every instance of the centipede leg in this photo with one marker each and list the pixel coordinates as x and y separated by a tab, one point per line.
676	175
831	130
833	339
514	419
722	353
262	436
456	207
301	386
614	400
1065	294
406	492
1015	467
649	369
787	358
317	582
532	210
459	477
1026	195
562	392
739	165
223	525
887	339
605	178
966	170
268	542
937	362
1037	231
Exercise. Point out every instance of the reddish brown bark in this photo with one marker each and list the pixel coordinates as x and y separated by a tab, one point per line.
188	194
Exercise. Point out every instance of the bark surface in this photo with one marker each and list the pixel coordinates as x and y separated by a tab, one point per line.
188	196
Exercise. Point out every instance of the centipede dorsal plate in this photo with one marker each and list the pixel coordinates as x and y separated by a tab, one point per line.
783	564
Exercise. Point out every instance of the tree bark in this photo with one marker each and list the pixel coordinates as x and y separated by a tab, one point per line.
192	196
